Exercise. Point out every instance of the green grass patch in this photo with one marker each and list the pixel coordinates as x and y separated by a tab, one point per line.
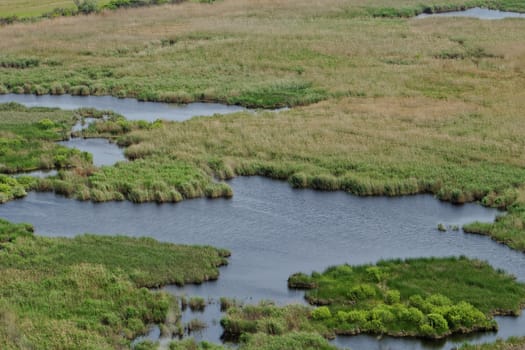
28	135
508	229
500	344
88	292
159	179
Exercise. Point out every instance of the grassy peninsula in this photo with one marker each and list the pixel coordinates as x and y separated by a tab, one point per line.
89	292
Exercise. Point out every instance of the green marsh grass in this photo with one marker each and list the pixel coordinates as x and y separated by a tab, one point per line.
28	135
160	180
427	297
508	229
509	344
261	341
197	304
88	292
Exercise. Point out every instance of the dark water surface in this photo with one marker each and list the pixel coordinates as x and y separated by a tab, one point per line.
477	12
130	108
274	231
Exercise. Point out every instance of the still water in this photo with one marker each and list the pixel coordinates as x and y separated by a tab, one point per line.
103	151
274	231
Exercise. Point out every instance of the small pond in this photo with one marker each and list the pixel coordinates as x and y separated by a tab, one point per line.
476	12
103	151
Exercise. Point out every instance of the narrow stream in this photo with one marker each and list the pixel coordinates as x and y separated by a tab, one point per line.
130	108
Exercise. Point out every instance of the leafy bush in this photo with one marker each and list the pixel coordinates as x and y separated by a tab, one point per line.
392	297
86	6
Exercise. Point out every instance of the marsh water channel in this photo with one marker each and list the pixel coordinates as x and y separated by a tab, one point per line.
273	231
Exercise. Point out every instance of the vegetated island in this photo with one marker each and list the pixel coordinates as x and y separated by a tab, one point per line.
427	297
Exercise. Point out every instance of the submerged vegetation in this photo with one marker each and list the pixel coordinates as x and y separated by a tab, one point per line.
88	292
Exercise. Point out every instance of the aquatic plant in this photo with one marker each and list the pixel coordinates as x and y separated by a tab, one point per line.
197	304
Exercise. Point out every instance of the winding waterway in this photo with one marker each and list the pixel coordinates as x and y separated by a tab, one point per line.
274	231
130	108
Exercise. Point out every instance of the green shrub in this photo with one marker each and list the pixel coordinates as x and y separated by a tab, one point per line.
86	6
438	323
392	297
362	292
321	313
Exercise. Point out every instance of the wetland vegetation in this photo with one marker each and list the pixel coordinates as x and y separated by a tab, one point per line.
510	344
385	105
89	292
426	297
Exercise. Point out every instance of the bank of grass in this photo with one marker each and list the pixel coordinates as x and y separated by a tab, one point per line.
261	341
509	344
324	148
311	53
426	297
88	292
160	179
14	10
508	229
415	105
